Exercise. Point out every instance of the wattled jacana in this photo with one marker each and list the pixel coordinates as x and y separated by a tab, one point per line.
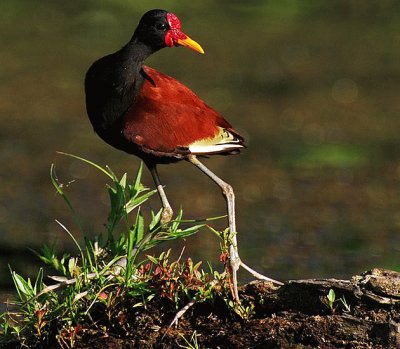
146	113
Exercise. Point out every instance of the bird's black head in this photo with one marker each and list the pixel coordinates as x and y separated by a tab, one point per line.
158	29
152	29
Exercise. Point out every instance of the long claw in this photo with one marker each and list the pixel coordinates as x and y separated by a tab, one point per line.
259	276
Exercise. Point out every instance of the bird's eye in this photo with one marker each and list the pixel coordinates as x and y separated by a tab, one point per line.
161	26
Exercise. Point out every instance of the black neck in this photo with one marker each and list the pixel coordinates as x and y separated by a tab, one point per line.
113	82
136	52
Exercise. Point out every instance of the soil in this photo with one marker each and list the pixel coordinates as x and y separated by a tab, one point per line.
365	314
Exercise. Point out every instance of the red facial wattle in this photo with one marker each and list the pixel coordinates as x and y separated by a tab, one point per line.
175	37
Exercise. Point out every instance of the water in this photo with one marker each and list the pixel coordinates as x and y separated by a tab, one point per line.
312	86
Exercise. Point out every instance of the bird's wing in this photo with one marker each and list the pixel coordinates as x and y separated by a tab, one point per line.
167	116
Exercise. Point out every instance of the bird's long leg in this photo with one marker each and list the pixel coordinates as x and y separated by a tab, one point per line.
227	191
167	212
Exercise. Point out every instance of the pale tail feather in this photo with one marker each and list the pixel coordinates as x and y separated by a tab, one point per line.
224	141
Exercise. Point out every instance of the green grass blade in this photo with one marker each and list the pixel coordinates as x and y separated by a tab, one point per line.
107	173
137	201
138	179
38	282
72	237
59	190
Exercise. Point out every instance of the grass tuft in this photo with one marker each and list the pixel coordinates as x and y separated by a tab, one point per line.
98	288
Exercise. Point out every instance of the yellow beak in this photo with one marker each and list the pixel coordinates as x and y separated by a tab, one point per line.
188	42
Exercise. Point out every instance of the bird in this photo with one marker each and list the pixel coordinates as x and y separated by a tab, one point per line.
144	112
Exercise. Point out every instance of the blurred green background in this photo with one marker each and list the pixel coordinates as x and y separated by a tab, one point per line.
314	87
